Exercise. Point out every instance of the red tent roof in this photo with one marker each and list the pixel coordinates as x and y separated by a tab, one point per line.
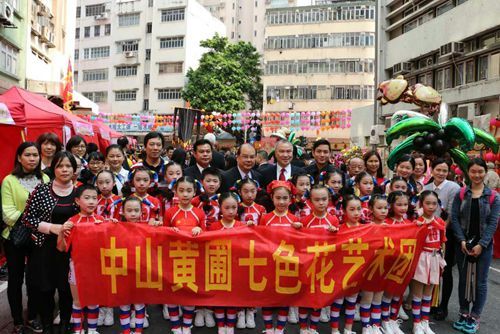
32	110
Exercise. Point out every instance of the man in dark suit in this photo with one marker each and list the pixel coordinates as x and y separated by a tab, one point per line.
283	169
245	159
261	159
202	152
321	153
218	160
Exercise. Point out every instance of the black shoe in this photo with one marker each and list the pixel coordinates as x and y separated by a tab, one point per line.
34	326
19	329
440	314
48	330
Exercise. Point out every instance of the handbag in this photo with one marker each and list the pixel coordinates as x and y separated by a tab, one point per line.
20	234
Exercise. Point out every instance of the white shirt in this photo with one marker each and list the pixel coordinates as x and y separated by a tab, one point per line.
201	168
288	171
243	174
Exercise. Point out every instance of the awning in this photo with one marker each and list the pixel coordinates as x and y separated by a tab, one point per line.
86	103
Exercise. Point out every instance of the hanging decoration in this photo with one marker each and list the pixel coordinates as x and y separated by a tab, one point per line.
308	120
453	137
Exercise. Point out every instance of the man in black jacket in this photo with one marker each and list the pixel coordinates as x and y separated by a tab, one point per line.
202	153
245	159
321	153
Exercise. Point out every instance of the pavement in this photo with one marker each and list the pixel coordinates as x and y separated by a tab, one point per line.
490	321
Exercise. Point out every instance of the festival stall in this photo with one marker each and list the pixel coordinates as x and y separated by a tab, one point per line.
11	135
38	115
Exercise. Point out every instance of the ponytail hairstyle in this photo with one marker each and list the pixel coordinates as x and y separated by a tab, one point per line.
168	193
124	201
128	187
349	198
104	171
321	187
241	182
393	197
377	195
231	194
426	193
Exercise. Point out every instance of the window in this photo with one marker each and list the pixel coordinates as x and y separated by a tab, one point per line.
95	53
86	32
125	95
97	31
149	28
94	10
127	20
459	74
346	39
150	4
469	71
425	78
107	29
169	94
444	7
146	79
77	54
171	42
95	75
443	78
145	105
77	33
148	54
78	12
125	46
169	15
97	97
8	58
318	15
75	76
126	71
352	92
170	68
482	68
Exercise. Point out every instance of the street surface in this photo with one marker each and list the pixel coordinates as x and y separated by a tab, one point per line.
490	322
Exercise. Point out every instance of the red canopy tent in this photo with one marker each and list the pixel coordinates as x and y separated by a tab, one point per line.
104	134
38	115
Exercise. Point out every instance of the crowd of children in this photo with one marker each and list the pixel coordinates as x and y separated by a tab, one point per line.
333	202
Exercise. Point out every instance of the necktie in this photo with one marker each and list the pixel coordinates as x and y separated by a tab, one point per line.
282	174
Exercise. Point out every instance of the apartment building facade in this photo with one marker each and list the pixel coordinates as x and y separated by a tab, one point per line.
319	58
133	56
34	45
451	45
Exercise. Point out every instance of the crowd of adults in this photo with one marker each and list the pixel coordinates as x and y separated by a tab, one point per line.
58	172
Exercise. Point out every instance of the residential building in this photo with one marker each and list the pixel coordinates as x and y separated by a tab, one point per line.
451	45
133	56
13	27
319	58
49	44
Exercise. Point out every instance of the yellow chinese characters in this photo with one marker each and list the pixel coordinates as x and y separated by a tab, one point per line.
287	265
378	262
353	247
149	283
251	261
321	251
218	265
184	256
113	269
402	265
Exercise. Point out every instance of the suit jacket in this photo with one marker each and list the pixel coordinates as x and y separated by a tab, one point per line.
193	171
231	176
269	174
218	160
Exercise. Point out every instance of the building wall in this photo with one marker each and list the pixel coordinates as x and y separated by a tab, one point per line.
179	24
415	35
49	44
12	49
338	75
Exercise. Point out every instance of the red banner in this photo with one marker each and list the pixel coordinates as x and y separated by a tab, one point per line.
118	264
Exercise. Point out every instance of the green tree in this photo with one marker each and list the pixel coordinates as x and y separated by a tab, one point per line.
227	77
